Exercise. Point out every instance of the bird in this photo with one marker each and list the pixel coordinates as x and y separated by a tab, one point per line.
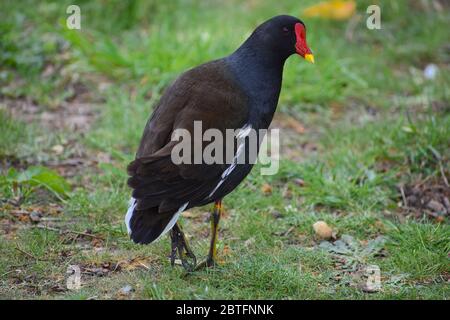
239	92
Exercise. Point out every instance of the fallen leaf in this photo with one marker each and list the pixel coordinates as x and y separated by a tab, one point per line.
138	262
287	193
295	125
58	149
226	250
351	253
187	214
97	242
266	189
333	10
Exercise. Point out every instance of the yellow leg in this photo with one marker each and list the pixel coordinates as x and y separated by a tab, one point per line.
215	218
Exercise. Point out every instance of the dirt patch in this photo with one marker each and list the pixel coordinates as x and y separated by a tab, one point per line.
350	257
106	268
16	217
435	5
70	158
354	111
8	161
296	140
429	198
33	284
73	116
418	107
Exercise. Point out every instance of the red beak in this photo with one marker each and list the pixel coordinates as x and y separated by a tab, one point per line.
301	46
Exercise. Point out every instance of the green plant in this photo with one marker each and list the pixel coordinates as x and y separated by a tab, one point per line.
25	182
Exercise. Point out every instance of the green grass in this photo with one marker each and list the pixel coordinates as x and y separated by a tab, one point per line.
12	135
373	118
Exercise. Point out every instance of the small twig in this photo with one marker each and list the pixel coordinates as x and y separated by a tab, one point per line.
131	261
403	196
51	219
423	181
117	266
6	273
69	231
142	264
443	174
19	265
288	231
29	254
438	157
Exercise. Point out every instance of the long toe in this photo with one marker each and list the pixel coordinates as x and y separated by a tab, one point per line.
207	263
188	261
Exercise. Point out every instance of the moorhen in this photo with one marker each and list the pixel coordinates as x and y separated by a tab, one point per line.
238	92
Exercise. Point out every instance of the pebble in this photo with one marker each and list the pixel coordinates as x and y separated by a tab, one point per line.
430	71
125	291
322	230
436	206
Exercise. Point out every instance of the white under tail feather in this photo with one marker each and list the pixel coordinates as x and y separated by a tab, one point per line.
173	220
132	205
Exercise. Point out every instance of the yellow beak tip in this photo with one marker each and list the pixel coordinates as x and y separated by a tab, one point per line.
309	58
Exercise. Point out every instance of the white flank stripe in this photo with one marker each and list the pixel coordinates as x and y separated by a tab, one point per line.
131	205
245	131
217	187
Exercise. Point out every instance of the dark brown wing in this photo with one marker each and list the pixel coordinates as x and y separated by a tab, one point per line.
207	94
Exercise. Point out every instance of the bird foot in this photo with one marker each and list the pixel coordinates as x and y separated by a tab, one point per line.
208	263
180	246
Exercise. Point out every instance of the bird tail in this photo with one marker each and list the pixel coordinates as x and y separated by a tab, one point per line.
148	225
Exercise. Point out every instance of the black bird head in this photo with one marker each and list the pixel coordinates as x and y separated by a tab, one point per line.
282	36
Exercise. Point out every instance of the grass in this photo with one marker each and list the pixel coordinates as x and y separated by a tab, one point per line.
12	135
373	120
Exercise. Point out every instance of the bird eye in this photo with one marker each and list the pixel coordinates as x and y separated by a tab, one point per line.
285	30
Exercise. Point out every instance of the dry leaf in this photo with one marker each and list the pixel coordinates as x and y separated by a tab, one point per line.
295	125
136	263
187	214
266	188
287	193
226	250
58	149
